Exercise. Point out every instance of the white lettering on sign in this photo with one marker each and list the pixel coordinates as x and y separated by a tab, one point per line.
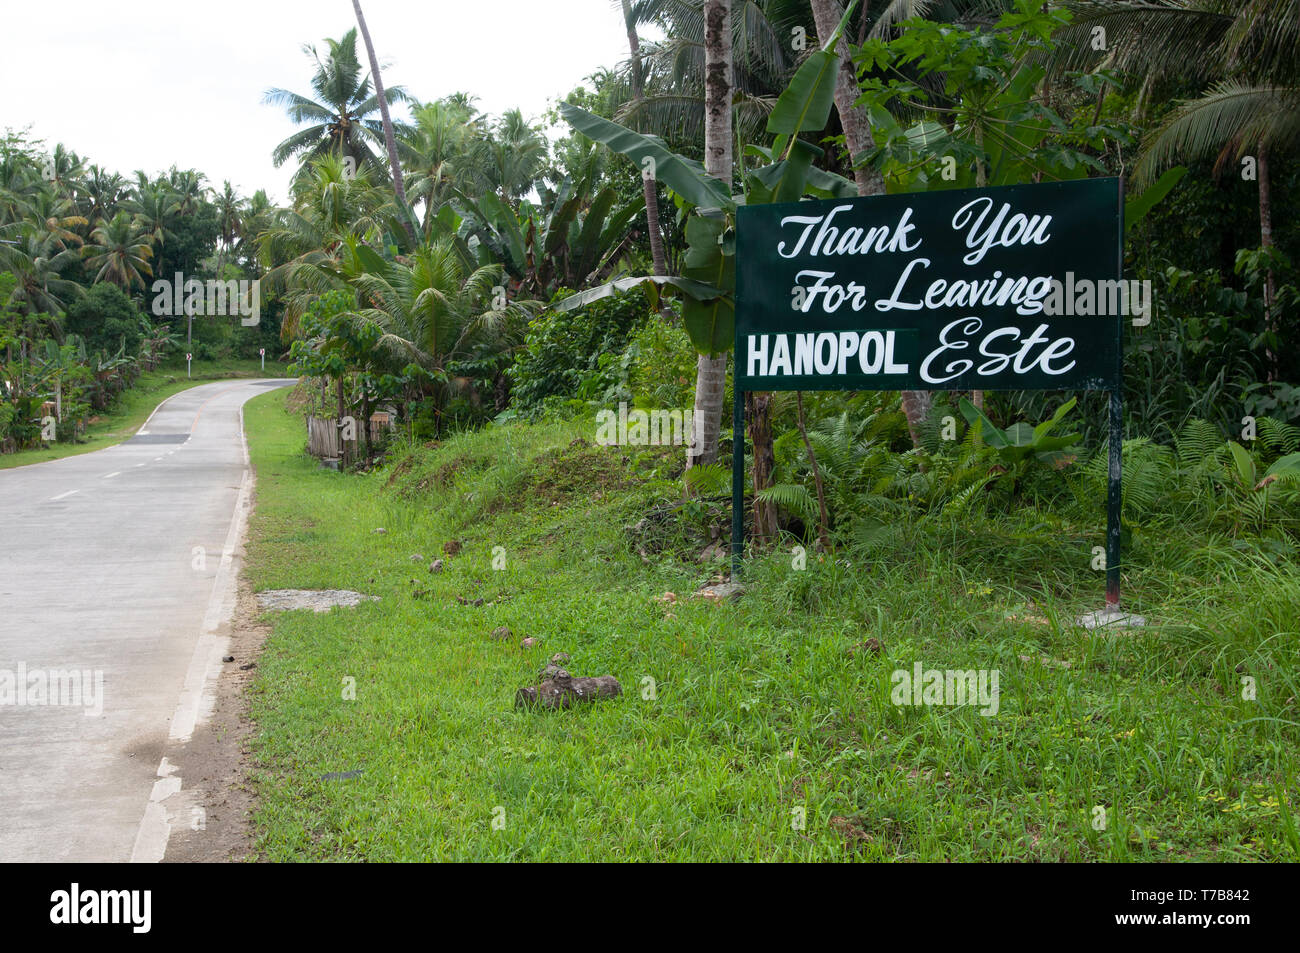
832	240
768	355
956	274
1019	229
1022	360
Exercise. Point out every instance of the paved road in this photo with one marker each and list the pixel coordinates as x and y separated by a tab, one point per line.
100	580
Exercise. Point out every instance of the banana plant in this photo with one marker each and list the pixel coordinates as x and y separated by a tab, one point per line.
63	365
709	279
1283	470
1020	440
560	244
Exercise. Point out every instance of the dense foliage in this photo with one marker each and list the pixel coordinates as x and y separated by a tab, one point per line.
442	300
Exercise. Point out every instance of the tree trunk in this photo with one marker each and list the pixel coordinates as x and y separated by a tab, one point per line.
1266	242
717	89
710	373
758	409
854	119
710	389
648	184
857	136
389	141
365	422
343	446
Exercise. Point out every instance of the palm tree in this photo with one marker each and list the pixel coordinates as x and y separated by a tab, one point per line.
119	251
302	246
188	189
154	206
63	169
858	139
101	193
39	264
711	369
390	142
16	178
432	313
255	217
648	184
229	206
1240	58
52	216
673	70
518	152
340	117
446	153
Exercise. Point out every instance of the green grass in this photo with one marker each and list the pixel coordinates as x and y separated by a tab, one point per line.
133	407
761	714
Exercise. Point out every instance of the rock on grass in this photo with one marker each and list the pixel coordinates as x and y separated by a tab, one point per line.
563	690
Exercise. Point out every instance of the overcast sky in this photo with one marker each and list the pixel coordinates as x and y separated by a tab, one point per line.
149	83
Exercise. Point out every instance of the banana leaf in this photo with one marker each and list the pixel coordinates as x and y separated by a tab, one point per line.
684	176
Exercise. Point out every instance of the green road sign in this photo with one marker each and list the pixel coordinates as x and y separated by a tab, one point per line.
1011	288
1008	288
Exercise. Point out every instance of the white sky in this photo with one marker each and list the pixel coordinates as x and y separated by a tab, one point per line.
149	83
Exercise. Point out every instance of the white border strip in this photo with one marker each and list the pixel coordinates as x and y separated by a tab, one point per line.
199	694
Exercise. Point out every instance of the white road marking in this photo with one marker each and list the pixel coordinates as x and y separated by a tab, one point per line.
109	476
62	495
199	694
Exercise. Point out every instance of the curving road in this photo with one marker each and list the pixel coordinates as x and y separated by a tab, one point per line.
112	625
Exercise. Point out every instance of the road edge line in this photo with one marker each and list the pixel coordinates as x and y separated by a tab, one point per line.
201	676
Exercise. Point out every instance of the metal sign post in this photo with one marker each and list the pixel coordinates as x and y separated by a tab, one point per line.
188	356
1006	288
1115	440
261	351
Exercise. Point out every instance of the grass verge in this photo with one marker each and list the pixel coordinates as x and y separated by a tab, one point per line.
764	729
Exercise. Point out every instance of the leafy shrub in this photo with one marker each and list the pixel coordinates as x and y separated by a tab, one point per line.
575	353
104	318
661	364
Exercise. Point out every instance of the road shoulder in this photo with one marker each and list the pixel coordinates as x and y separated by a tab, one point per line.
217	762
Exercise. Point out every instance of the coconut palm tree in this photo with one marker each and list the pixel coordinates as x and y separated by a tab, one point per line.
446	152
154	206
40	264
518	152
390	141
711	369
255	216
52	216
100	193
340	119
229	206
858	139
763	56
119	251
188	189
16	179
63	169
302	246
1240	59
432	313
648	184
